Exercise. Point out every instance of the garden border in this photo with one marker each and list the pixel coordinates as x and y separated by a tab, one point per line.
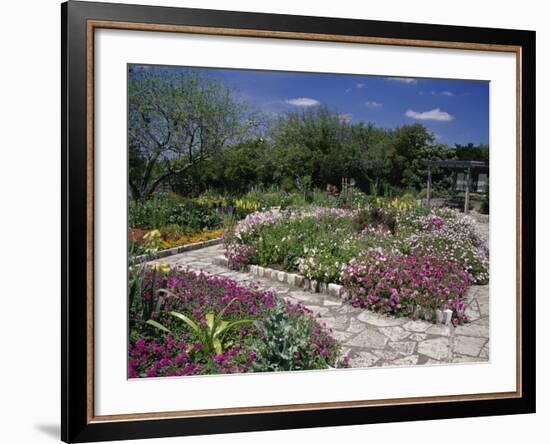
331	289
175	250
292	279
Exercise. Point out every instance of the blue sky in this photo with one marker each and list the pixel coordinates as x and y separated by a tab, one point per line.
456	111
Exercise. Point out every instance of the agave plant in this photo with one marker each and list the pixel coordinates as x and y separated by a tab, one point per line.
212	337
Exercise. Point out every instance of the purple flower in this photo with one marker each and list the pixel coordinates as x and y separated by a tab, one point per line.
197	295
398	284
181	358
218	359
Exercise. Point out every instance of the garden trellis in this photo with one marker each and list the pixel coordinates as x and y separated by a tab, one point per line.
469	167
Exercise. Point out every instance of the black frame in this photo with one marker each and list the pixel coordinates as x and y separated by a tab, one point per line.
74	423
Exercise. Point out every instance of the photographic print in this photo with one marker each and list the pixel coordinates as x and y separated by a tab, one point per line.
282	221
275	221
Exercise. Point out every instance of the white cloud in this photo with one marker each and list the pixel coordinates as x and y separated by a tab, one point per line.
348	90
345	117
360	85
303	101
407	80
443	93
434	114
372	104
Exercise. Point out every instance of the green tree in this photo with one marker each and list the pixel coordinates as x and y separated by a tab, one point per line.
376	154
409	140
472	152
316	143
177	119
441	177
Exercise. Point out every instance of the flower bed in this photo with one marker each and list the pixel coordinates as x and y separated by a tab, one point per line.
399	284
256	331
448	235
168	220
424	257
143	243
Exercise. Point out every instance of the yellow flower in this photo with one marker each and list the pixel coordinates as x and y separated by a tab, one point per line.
184	240
161	267
247	204
152	235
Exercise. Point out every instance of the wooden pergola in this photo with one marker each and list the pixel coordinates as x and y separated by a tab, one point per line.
466	165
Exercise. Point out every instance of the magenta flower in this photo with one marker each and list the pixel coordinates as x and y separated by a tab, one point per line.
426	281
183	354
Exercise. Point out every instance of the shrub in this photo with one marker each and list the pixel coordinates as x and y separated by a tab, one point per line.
377	216
320	264
163	209
292	341
187	216
275	197
281	237
351	197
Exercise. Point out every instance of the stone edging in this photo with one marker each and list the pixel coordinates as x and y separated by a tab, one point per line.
334	290
176	250
291	279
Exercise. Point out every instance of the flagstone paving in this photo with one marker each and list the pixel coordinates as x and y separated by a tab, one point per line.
370	339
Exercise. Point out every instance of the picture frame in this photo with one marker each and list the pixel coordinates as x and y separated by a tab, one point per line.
80	22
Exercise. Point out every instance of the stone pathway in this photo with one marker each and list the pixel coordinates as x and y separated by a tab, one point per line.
371	339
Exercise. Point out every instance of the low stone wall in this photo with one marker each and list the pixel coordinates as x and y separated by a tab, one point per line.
176	250
291	279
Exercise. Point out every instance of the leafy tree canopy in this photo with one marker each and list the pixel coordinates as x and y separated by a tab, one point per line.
192	133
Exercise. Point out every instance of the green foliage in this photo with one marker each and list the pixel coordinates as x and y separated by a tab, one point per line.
211	335
164	210
203	324
472	152
318	242
276	197
287	345
144	284
376	216
135	281
351	197
239	150
175	121
284	242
